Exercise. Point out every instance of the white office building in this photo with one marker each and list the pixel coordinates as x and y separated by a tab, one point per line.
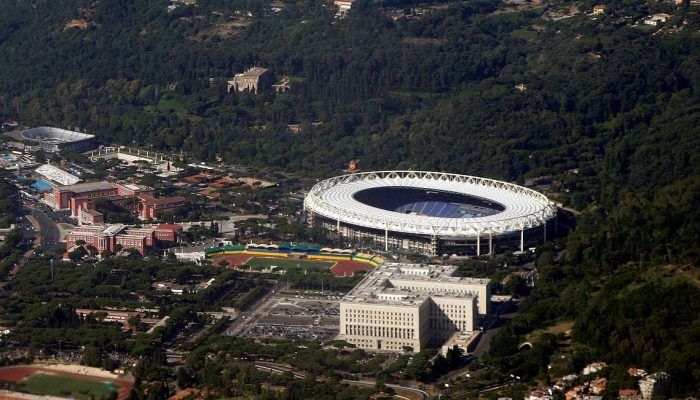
399	306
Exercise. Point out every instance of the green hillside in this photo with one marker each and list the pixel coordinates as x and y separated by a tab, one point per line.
606	107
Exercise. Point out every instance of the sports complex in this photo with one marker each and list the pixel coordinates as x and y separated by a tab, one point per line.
57	139
432	213
62	381
339	262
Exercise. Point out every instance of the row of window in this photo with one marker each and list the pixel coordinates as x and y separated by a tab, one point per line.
380	321
442	325
380	331
358	313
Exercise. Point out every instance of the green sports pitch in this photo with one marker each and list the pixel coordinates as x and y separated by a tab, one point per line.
285	263
63	386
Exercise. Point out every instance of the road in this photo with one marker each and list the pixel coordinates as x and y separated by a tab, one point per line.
44	224
276	368
504	313
37	226
48	232
246	319
478	392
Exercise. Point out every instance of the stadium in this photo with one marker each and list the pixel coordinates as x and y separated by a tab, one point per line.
431	213
57	139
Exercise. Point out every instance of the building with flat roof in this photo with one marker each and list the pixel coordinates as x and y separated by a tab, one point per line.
654	384
402	306
155	207
107	237
343	6
255	79
80	199
60	196
57	175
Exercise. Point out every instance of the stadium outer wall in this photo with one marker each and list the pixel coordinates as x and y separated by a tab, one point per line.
56	139
519	238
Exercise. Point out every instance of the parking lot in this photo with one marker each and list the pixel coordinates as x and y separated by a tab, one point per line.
300	316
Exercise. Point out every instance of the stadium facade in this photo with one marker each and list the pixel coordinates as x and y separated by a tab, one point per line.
57	139
432	213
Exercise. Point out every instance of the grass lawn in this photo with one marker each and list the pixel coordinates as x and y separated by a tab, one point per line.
261	262
63	386
525	34
561	327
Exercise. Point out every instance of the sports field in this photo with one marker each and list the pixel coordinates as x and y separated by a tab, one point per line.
261	262
57	382
232	260
64	386
337	268
348	268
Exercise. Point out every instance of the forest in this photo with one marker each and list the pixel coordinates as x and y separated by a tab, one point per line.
607	106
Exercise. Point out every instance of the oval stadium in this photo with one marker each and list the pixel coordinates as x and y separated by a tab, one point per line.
57	139
431	213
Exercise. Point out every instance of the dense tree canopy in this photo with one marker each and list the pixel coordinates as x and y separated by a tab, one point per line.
608	108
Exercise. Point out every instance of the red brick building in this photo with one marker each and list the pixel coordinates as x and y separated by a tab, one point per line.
168	232
141	200
60	197
155	207
92	217
107	238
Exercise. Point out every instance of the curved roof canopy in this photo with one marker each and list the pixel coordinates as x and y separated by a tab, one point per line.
523	208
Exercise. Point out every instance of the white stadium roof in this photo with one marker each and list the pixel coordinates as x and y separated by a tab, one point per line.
57	175
523	208
55	135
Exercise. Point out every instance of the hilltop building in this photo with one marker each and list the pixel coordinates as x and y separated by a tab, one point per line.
654	384
256	80
344	6
400	306
284	85
656	19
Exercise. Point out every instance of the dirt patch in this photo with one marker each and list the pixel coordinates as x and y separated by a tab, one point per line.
561	327
15	374
223	30
233	260
348	268
76	23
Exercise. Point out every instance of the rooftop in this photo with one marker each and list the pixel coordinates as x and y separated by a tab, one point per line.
255	71
134	187
336	198
57	174
148	199
88	187
174	227
387	284
88	229
113	229
94	213
54	135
